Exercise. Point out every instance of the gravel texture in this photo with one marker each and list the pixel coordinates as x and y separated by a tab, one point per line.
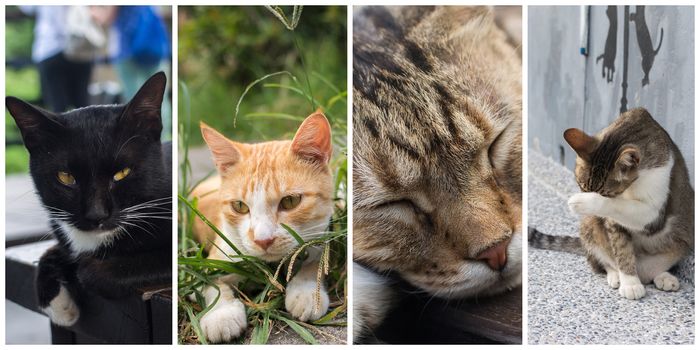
569	304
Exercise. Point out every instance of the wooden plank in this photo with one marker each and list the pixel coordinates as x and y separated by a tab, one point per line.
124	321
420	319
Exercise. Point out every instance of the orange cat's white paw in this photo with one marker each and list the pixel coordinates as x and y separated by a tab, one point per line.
225	322
667	282
62	310
301	300
588	203
613	279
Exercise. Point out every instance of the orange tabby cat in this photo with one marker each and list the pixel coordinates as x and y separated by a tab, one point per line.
258	187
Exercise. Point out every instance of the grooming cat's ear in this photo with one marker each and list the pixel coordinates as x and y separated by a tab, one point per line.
313	139
582	144
628	159
222	149
35	124
142	113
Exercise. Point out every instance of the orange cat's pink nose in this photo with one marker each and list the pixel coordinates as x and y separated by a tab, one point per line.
496	256
264	243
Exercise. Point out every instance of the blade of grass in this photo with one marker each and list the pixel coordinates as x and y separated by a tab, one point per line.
293	233
303	332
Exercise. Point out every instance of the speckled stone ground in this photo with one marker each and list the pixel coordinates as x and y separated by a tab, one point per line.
569	304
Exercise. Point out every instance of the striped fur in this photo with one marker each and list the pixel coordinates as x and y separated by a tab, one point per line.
637	202
437	148
539	240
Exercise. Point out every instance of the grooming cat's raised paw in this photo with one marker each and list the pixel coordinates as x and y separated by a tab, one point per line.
587	203
666	282
300	300
613	279
225	322
62	310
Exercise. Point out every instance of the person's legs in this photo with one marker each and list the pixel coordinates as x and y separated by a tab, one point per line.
51	77
77	83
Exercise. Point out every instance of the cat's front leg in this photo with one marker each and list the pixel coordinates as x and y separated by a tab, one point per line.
120	276
623	255
227	319
373	298
53	273
305	299
630	213
588	203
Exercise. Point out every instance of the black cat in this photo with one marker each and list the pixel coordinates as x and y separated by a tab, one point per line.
105	179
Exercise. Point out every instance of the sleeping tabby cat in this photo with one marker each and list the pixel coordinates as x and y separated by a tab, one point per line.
437	156
104	178
636	201
259	187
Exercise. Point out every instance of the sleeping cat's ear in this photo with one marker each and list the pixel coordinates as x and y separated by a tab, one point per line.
35	124
582	144
142	113
224	151
313	139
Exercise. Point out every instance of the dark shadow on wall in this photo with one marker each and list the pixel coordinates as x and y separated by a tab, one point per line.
644	42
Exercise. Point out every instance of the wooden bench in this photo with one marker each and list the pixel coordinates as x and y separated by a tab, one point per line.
145	318
419	319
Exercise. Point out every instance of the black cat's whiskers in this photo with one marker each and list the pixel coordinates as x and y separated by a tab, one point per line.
124	144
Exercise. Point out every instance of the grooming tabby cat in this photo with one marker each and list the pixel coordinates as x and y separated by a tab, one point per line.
636	201
104	178
259	187
437	156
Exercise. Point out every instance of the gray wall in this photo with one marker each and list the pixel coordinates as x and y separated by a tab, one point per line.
567	89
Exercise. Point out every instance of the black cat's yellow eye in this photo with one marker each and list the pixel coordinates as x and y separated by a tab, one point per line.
121	174
240	207
290	202
66	178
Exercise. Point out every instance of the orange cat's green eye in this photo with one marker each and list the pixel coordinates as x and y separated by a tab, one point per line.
240	207
290	202
66	178
121	174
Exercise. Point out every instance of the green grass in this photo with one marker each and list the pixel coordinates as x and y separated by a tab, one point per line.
262	285
16	159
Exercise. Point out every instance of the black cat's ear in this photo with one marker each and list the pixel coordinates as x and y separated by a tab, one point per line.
313	139
142	113
35	124
224	151
582	144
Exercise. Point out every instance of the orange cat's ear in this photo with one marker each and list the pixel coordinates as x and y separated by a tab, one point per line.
222	149
629	158
582	144
313	139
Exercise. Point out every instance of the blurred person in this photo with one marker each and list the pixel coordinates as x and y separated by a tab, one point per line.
65	43
140	46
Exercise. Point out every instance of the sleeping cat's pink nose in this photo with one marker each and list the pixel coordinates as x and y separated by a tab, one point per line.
496	256
264	243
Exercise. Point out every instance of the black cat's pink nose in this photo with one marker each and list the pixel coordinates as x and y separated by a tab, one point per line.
264	243
496	257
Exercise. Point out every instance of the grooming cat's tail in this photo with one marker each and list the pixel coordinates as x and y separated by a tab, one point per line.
540	240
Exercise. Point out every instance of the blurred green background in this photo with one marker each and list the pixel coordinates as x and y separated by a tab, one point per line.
21	80
223	49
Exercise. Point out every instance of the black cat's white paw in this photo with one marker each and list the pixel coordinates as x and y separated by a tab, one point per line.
62	310
301	300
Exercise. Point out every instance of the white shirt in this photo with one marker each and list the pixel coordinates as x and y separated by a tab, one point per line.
49	34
